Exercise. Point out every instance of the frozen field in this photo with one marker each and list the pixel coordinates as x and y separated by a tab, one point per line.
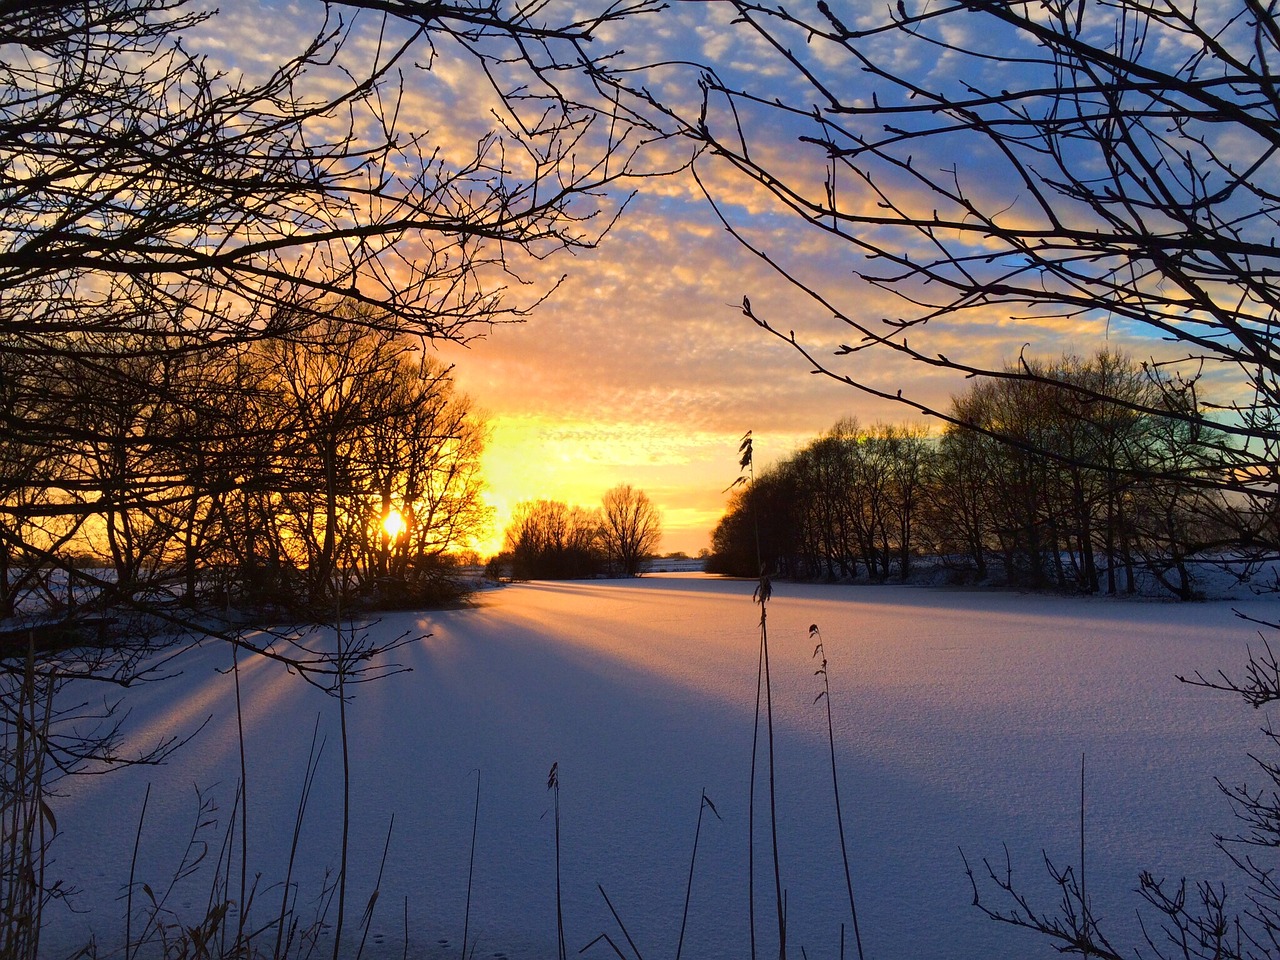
961	720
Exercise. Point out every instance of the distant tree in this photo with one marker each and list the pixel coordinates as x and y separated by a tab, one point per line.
1014	489
550	540
732	551
630	529
1121	492
759	528
955	511
911	464
425	464
821	477
847	502
1120	486
1173	520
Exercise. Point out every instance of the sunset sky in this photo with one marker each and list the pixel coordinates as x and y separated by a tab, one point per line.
641	368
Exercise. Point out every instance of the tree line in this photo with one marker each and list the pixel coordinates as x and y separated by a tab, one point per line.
551	540
1045	487
254	472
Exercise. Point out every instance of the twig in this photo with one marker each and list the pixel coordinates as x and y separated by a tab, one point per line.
835	786
133	866
621	926
693	857
471	869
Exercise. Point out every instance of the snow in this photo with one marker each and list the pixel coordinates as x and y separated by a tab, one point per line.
961	719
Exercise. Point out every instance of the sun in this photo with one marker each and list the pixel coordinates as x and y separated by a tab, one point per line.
393	523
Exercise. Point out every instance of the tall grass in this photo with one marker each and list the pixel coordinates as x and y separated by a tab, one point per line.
764	693
705	805
825	696
286	917
764	589
471	871
228	927
553	784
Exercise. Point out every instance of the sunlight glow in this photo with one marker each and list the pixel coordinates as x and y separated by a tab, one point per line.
393	523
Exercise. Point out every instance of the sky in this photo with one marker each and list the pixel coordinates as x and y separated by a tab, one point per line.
642	370
641	367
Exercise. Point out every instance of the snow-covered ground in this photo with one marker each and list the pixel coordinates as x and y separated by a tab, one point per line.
961	718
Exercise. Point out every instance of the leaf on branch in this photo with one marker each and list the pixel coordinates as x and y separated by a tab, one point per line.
48	815
706	801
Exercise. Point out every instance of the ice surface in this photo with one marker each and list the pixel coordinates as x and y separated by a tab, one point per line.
961	719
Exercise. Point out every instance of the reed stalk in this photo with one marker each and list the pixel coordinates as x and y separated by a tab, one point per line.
553	784
471	868
825	694
693	858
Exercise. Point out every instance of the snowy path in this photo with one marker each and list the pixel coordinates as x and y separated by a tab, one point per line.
961	718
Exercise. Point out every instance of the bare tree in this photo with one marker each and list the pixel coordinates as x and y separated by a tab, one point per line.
1030	164
216	208
848	500
630	528
955	513
1122	490
550	540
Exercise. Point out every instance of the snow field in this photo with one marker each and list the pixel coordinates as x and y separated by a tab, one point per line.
961	718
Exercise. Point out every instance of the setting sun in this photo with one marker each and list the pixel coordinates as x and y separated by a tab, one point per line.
393	523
